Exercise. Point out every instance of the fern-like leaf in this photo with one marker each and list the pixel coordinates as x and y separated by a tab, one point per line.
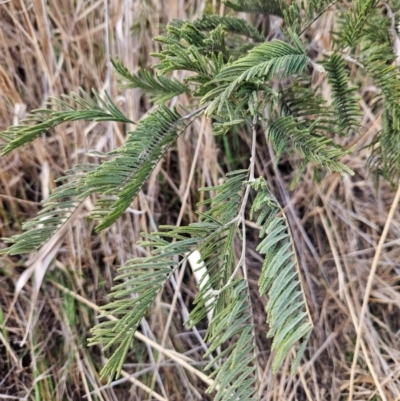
216	251
235	378
231	327
300	15
70	108
259	65
141	280
287	315
57	209
344	100
302	101
379	61
160	88
385	157
120	179
311	146
350	32
182	47
230	23
269	7
264	61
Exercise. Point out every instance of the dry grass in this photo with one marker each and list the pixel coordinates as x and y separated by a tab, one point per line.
56	47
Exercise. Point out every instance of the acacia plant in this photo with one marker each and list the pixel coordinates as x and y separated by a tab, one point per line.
237	78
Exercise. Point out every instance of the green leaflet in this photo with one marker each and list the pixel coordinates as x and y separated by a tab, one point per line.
385	157
120	179
143	278
56	211
216	251
160	88
380	63
261	64
69	108
300	15
271	7
344	100
230	24
351	30
231	325
302	101
183	49
311	146
280	279
235	377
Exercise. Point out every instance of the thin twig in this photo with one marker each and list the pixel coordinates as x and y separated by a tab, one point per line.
253	149
138	383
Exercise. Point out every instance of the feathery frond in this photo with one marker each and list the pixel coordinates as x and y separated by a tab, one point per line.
141	280
120	179
350	31
269	7
385	157
230	23
69	108
344	100
264	61
378	31
182	50
117	181
311	146
57	209
299	16
216	252
231	327
301	100
160	88
259	65
145	277
234	379
380	63
287	315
